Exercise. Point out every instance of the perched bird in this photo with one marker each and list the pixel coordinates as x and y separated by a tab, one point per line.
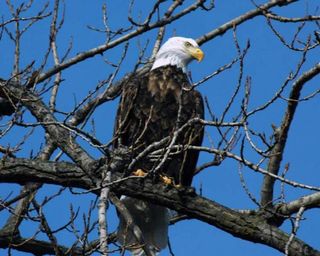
154	106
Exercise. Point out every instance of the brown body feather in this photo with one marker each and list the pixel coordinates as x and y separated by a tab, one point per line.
148	112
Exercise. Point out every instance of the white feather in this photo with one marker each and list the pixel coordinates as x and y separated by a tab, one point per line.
174	52
153	221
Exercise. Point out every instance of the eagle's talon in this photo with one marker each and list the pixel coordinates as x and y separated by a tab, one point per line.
166	180
139	173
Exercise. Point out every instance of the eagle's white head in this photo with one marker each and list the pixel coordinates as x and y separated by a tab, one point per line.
178	51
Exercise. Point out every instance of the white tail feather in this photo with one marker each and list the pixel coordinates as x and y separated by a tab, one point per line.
153	221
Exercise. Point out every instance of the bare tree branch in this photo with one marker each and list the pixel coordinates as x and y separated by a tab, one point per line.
241	19
308	202
282	134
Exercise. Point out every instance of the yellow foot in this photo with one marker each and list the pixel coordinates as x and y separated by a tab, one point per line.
139	173
166	180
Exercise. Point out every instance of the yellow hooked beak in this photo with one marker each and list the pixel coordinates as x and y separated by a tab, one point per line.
196	53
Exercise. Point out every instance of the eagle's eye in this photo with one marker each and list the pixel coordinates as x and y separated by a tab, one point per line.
187	44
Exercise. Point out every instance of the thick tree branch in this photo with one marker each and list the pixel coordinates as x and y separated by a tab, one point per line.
62	173
245	226
39	248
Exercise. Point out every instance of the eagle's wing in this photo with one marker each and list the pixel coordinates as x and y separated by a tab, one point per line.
124	114
194	137
151	219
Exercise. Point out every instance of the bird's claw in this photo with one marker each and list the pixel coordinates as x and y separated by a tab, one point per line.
139	173
166	180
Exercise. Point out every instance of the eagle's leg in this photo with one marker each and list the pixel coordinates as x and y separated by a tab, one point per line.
139	173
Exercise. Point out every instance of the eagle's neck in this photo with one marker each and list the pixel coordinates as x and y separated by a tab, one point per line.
169	59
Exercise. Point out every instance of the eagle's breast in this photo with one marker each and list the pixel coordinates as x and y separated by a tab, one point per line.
166	80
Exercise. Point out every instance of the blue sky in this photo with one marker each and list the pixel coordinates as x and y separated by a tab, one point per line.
268	63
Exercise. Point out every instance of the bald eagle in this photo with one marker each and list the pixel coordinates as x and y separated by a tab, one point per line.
152	107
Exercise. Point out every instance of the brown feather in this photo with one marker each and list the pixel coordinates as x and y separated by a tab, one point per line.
148	112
